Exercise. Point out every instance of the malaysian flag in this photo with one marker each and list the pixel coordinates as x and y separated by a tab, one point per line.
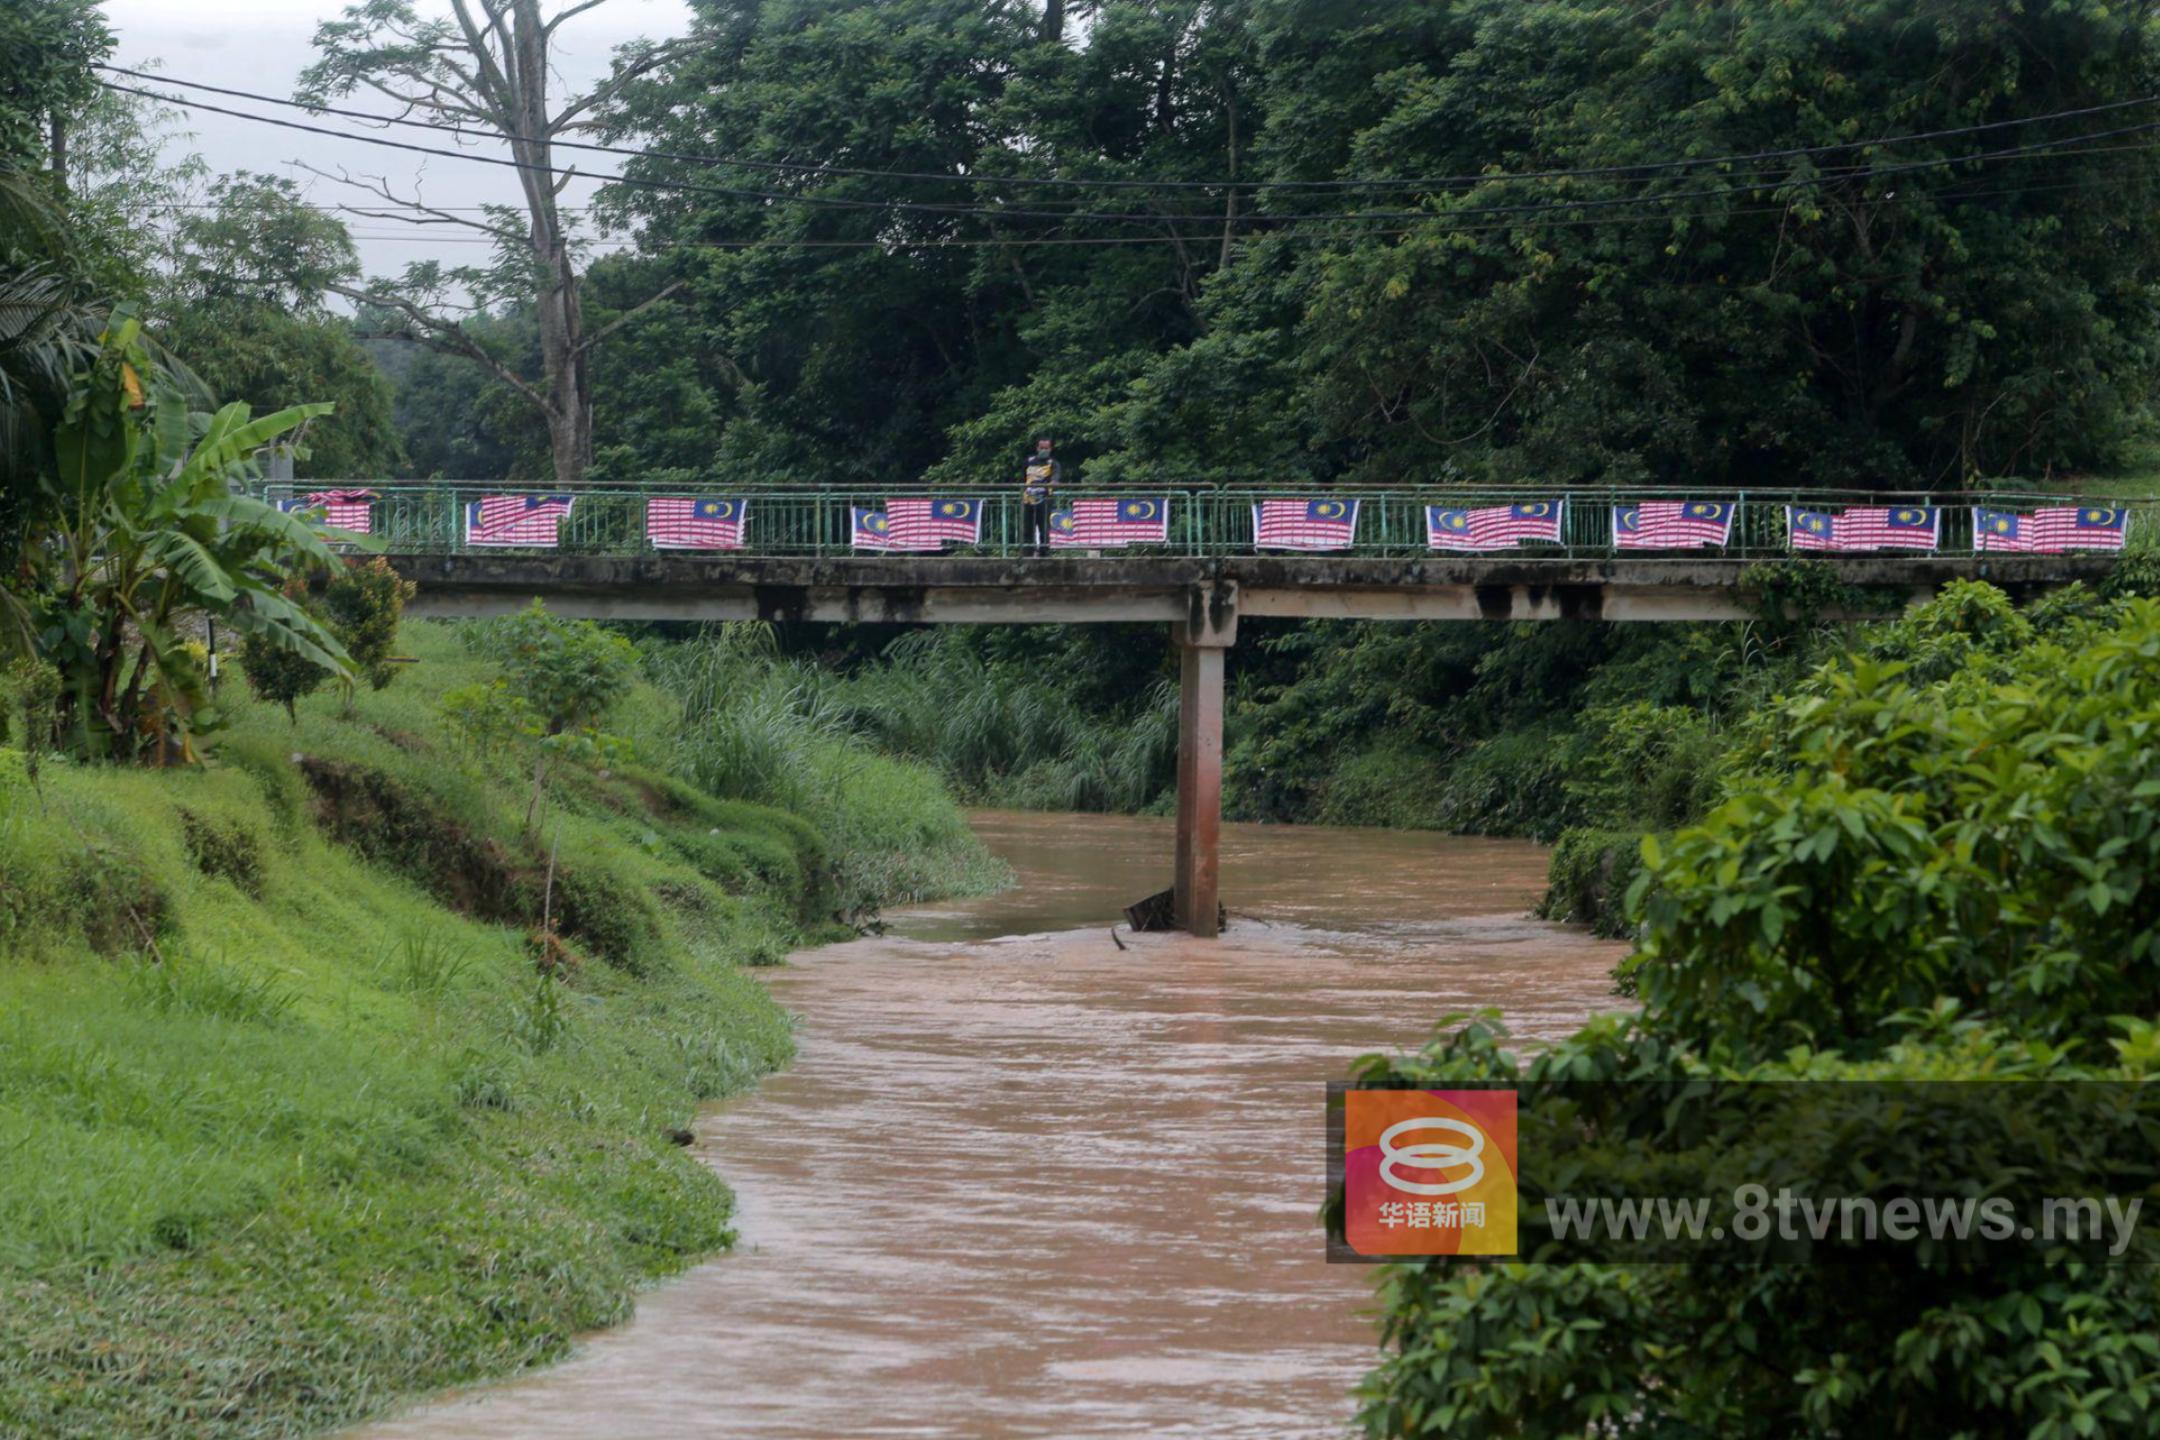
2051	530
925	524
873	531
527	520
682	522
1672	524
1305	524
341	509
1109	524
1872	527
1492	527
879	530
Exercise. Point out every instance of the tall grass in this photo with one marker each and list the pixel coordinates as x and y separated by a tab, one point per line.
760	728
1000	733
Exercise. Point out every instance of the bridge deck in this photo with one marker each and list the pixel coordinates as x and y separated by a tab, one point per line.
972	589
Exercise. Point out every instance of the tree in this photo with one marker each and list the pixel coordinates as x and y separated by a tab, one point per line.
560	679
455	419
1832	313
257	242
48	331
273	360
489	67
1935	864
1873	316
142	538
877	325
364	603
243	299
46	50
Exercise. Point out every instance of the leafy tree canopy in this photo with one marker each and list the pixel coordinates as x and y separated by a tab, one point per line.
46	48
1877	315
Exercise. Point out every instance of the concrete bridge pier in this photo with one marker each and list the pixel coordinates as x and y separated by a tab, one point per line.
1202	640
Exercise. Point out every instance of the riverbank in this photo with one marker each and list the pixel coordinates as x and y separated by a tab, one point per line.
1025	1180
299	1116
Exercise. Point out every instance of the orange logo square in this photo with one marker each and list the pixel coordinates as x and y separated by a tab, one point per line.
1429	1172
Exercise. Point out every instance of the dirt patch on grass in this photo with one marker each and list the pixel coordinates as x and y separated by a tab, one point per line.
365	809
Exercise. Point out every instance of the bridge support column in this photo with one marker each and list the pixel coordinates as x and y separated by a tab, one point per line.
1203	639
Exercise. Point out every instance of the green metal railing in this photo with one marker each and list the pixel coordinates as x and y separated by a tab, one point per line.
610	520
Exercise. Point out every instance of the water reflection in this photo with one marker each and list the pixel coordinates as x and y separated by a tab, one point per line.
1024	1182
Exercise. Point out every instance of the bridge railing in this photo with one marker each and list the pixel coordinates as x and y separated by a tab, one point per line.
1391	521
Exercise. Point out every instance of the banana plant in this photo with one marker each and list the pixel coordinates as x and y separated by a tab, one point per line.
149	539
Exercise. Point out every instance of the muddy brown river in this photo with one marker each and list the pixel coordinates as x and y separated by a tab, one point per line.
1020	1182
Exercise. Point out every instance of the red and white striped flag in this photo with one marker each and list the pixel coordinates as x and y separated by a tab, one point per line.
929	522
2051	530
1305	524
1672	524
341	509
1110	524
682	522
1491	527
1865	527
524	520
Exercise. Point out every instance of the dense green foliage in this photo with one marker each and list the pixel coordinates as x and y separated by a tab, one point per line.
1918	311
333	1139
46	47
1935	861
139	537
363	604
243	300
1512	730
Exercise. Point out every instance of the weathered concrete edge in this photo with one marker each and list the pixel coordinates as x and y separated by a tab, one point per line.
965	590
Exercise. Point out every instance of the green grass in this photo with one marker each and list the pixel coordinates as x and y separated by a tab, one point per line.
760	729
340	1139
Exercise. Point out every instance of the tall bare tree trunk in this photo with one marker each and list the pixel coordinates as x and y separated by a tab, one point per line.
488	67
562	328
562	339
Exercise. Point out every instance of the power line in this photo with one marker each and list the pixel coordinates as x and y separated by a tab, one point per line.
638	182
1248	220
1656	217
1425	184
364	210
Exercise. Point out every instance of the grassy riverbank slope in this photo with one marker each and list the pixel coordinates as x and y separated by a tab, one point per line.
347	1141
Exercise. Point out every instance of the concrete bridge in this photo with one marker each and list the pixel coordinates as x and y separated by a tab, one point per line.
792	554
1199	598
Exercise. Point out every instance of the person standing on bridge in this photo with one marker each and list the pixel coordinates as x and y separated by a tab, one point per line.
1038	490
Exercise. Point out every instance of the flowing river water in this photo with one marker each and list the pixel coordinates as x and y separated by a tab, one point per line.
1022	1182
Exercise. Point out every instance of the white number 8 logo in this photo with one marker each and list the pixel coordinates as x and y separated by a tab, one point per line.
1432	1155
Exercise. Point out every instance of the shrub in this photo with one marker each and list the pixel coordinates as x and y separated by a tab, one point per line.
1650	766
571	673
1933	867
1589	878
364	603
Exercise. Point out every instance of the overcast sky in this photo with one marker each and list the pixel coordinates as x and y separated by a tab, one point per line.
263	45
